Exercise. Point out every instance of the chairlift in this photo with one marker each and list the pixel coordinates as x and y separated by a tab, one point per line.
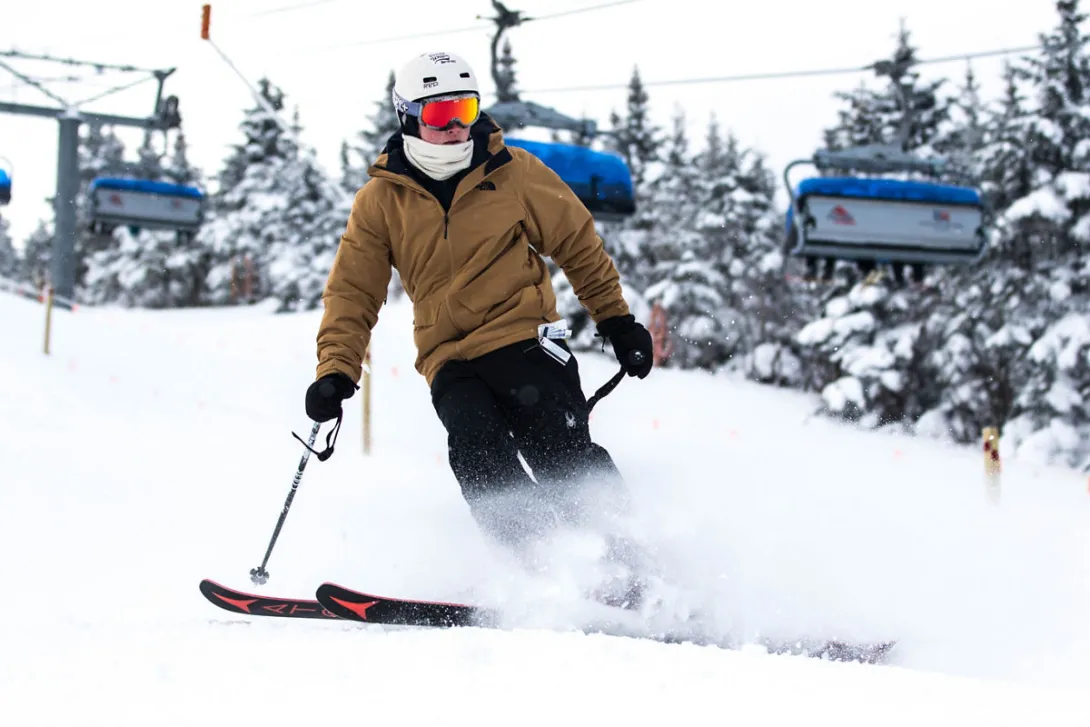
600	179
5	181
143	204
881	219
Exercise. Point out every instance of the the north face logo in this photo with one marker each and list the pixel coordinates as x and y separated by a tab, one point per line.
487	186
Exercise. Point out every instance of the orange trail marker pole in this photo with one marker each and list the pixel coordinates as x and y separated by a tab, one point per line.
992	464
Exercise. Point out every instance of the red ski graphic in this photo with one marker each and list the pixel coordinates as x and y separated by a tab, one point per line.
254	605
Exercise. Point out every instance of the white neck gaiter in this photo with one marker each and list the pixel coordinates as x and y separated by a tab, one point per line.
438	161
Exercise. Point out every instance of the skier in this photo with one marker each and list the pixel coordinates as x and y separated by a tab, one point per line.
465	220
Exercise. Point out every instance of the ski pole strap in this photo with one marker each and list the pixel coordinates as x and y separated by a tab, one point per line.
604	390
330	440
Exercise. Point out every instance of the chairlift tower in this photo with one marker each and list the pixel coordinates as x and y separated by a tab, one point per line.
69	117
512	112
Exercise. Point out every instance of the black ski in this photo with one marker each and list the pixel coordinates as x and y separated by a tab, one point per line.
252	604
364	607
356	605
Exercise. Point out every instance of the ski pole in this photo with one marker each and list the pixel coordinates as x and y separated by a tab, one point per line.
259	575
636	358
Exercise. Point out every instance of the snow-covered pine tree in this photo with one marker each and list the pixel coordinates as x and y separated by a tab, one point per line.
687	279
1054	219
11	264
860	123
977	343
278	221
990	314
1006	167
649	252
178	169
636	140
771	309
961	138
868	357
149	160
1050	228
38	254
358	156
633	135
299	262
673	201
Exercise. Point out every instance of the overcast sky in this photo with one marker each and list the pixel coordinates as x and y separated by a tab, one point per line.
320	57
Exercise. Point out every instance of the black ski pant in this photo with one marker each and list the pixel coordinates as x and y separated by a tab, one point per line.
520	400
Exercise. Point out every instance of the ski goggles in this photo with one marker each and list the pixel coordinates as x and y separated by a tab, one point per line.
442	112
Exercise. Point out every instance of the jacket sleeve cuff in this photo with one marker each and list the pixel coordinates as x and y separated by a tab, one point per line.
338	367
616	324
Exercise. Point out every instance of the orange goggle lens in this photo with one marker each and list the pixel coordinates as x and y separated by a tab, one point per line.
441	114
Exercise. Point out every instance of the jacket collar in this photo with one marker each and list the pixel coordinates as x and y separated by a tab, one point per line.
489	154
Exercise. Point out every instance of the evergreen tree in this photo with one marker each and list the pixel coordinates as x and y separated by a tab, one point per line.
1049	232
672	202
1054	219
964	135
38	255
178	169
149	162
860	124
11	266
1006	167
689	280
633	136
277	228
358	157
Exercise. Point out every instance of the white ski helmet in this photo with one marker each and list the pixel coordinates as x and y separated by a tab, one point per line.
429	75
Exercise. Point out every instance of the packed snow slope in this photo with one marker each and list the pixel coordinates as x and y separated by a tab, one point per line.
152	449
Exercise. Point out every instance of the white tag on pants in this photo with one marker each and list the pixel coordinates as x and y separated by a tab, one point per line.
557	352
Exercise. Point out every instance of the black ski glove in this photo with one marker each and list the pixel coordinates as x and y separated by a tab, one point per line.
631	343
324	396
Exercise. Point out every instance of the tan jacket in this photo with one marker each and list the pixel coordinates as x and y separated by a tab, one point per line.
473	275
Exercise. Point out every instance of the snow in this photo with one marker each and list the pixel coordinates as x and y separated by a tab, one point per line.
151	449
1063	341
845	391
1074	185
1044	202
